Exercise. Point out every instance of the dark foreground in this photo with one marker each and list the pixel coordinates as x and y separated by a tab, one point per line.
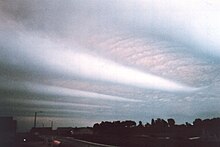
122	141
160	133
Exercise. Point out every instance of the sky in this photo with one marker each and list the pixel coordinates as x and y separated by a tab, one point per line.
82	62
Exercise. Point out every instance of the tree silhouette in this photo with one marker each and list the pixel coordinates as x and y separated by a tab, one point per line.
152	122
128	124
140	124
171	122
197	122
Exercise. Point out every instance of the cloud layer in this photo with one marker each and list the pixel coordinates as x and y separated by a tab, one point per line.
96	60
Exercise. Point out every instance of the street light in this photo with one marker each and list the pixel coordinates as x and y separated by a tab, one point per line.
51	124
35	117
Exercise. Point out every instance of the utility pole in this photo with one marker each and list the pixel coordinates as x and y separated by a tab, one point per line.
35	117
51	124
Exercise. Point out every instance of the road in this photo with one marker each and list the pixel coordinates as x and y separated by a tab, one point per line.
66	141
33	144
63	142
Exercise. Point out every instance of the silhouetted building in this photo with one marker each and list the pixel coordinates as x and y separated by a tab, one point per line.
41	131
7	131
64	131
82	131
69	131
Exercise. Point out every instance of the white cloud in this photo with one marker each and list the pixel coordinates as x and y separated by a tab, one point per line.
34	52
58	91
